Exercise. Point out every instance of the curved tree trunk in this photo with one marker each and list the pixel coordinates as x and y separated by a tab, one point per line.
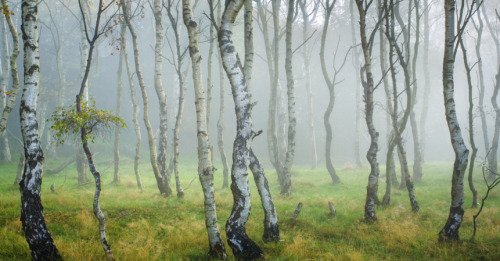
161	177
471	127
205	165
35	230
331	89
137	127
241	245
452	226
368	88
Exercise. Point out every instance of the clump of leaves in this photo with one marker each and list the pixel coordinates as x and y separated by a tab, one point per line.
68	122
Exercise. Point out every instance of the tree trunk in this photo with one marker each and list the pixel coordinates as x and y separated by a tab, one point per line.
306	56
239	242
427	81
137	127
482	114
116	176
368	88
7	108
450	229
35	230
205	165
331	89
292	121
471	127
162	137
357	135
161	177
4	79
271	228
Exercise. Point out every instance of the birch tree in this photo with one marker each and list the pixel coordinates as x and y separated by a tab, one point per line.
12	63
205	164
241	245
177	63
4	80
453	33
330	83
116	154
35	230
368	89
161	177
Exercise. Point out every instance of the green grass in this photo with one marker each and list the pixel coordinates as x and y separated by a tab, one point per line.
146	226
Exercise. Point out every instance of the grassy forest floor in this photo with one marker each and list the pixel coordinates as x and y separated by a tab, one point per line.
147	226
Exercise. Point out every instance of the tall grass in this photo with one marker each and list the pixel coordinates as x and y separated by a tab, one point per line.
146	226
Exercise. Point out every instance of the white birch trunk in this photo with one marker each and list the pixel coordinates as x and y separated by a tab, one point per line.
205	165
37	235
239	242
455	217
116	154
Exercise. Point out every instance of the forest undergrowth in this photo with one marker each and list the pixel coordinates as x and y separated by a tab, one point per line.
147	226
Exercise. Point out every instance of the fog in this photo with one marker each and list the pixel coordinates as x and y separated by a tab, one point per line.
103	83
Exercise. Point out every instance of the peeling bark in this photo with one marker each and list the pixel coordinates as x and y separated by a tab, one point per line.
450	230
239	242
205	164
35	230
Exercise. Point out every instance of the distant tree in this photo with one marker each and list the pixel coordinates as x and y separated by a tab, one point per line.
35	230
205	164
161	176
470	115
453	34
308	16
330	83
178	66
119	89
8	103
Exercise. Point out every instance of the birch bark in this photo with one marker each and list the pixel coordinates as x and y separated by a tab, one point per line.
116	154
455	217
161	177
35	230
241	245
205	165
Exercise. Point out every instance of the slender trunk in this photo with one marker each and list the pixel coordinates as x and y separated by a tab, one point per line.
161	177
4	79
137	127
357	135
13	71
116	176
239	242
83	132
306	56
368	88
292	121
471	127
482	114
162	137
182	91
452	226
35	230
205	165
271	228
427	81
331	90
417	150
